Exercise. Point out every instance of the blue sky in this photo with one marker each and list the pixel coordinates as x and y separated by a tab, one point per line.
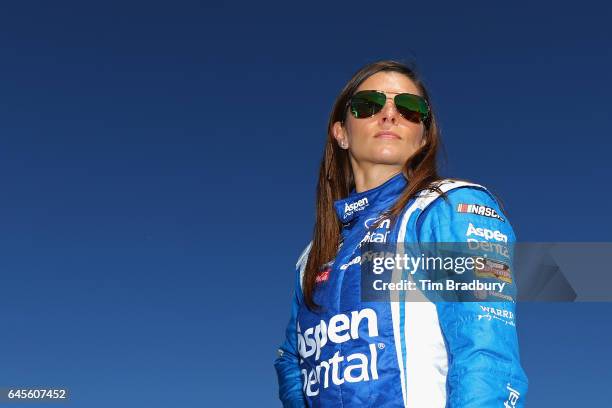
158	163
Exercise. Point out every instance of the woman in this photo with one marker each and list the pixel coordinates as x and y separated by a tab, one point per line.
378	182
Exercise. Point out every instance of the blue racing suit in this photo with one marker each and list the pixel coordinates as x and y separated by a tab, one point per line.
352	353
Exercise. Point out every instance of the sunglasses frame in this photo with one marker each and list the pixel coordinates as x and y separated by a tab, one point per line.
424	116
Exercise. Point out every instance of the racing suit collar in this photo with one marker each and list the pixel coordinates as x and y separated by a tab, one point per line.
358	204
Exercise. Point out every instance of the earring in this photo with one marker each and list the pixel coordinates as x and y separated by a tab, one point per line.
343	144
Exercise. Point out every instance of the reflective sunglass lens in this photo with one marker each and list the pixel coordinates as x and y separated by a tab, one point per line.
367	103
412	107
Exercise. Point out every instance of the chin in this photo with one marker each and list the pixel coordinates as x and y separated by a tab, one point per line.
391	159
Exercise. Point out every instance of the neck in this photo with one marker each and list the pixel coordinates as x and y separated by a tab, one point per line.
369	177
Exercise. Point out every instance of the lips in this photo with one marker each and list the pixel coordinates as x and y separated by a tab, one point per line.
387	134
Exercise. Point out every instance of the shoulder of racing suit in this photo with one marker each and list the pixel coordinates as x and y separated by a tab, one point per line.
467	210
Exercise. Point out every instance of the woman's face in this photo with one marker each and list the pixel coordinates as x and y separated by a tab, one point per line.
385	138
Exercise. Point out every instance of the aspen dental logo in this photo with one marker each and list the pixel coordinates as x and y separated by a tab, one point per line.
486	233
341	328
356	206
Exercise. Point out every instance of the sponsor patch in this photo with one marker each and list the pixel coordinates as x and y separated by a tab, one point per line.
492	313
494	269
355	206
323	276
478	209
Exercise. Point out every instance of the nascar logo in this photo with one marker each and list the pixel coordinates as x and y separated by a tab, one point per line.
479	210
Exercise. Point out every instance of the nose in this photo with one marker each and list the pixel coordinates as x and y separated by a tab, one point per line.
389	112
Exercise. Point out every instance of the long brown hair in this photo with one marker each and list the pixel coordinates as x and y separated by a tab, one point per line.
336	175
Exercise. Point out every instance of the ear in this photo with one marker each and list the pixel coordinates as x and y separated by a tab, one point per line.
340	135
423	139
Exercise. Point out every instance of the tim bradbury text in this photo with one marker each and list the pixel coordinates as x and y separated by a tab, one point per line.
426	284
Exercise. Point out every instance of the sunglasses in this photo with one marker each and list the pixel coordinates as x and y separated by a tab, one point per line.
365	104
